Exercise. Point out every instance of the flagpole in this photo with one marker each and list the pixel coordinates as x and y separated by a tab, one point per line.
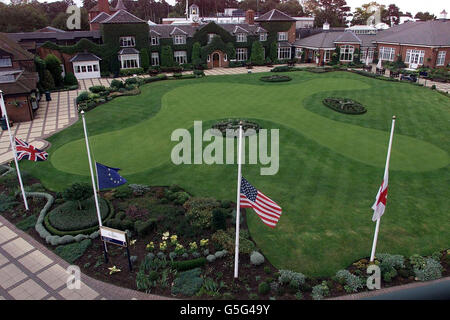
386	169
238	204
93	181
13	147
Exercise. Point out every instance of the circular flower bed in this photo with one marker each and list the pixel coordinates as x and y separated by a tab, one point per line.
275	78
344	105
232	125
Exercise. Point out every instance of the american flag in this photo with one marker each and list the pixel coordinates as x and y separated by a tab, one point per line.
28	152
265	208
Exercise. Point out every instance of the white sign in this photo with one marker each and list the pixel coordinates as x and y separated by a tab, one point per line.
113	236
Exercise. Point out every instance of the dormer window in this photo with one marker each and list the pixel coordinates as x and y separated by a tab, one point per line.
126	42
263	36
282	36
5	62
241	37
179	39
154	41
210	37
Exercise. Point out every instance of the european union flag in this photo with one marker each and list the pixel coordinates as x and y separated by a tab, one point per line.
108	177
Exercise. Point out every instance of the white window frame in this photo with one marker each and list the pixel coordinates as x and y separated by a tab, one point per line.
346	53
284	53
180	57
129	61
241	37
154	58
283	36
127	42
241	54
387	54
155	41
440	60
179	39
263	36
298	52
326	55
413	55
5	62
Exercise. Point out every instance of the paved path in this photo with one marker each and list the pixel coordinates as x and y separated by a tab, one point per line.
29	271
430	290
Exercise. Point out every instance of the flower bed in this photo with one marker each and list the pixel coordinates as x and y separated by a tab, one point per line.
344	105
275	78
232	125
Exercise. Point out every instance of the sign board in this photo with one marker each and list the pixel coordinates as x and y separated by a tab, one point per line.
114	236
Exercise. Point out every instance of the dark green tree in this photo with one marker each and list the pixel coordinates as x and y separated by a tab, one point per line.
54	66
273	52
195	56
167	56
257	55
70	79
47	81
145	60
78	192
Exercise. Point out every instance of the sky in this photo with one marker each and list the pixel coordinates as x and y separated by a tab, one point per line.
413	6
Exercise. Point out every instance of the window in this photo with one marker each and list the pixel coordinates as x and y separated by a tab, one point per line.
284	53
130	64
327	55
155	41
241	37
89	68
179	39
155	59
282	36
225	57
414	56
241	54
209	58
387	53
127	42
440	61
263	36
180	57
210	37
5	62
83	68
95	67
346	53
77	69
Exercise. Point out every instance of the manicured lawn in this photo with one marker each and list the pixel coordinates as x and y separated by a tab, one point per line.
331	164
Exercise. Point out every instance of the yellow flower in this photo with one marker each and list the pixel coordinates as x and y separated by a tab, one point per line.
193	245
203	242
165	235
113	269
163	245
132	242
150	245
173	238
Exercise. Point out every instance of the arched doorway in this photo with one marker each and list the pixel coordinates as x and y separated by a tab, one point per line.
216	60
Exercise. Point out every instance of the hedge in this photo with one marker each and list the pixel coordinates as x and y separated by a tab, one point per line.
189	264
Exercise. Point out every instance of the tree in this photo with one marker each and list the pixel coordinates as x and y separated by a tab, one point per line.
47	81
145	60
195	57
70	79
391	15
332	11
424	16
167	56
78	192
54	66
291	7
257	55
273	52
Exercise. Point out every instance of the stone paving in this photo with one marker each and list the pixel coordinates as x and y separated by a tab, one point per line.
30	271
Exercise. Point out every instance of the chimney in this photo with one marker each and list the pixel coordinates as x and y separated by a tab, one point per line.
326	26
250	17
103	6
443	15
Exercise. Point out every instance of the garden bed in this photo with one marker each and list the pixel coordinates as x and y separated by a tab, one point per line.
275	78
344	105
231	126
182	253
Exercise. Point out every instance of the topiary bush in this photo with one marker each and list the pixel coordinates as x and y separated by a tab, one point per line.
70	79
275	78
189	264
78	192
97	89
219	219
263	288
344	105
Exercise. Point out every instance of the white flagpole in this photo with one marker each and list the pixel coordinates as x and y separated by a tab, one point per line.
238	204
92	172
13	147
386	169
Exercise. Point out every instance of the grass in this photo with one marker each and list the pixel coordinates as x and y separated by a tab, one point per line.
331	164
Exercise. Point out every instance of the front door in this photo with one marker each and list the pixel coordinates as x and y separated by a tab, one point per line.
216	60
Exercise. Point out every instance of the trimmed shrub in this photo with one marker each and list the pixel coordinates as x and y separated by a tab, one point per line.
71	252
77	192
263	288
275	78
256	258
97	89
288	277
189	264
53	65
117	84
145	60
188	282
70	80
350	281
219	219
257	53
430	269
344	105
47	82
167	56
320	291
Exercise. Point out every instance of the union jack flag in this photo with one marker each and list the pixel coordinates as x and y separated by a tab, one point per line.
28	152
265	208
